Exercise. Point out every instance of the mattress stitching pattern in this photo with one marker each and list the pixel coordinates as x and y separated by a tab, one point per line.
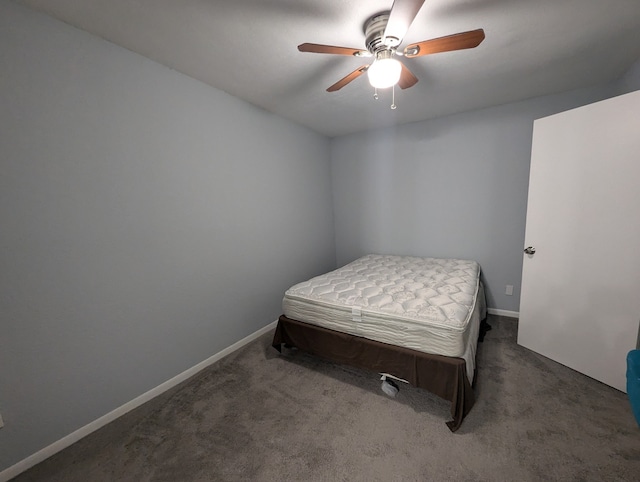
433	291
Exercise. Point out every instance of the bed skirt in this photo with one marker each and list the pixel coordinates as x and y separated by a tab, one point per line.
441	375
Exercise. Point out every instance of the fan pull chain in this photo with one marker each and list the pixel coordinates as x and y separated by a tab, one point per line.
393	97
375	93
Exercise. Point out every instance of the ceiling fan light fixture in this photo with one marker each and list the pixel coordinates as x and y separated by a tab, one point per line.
384	33
384	73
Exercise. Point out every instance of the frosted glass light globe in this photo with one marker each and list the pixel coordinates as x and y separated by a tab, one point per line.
384	73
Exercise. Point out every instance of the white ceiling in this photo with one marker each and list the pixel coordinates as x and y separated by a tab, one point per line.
248	48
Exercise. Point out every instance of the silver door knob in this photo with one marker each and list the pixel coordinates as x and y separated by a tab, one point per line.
530	250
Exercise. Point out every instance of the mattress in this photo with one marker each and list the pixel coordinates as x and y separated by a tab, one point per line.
426	304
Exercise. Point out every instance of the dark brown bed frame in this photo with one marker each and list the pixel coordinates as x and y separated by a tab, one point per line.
441	375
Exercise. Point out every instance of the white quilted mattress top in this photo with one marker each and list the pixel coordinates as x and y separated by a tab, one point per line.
437	292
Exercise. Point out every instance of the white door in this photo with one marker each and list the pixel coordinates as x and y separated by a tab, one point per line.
580	301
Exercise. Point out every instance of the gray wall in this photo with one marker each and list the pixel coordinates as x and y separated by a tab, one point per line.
630	81
147	222
450	187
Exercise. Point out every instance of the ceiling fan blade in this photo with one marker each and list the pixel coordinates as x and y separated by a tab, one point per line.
348	78
458	41
331	49
407	79
400	19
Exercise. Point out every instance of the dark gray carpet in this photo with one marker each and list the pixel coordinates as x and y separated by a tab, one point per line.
260	416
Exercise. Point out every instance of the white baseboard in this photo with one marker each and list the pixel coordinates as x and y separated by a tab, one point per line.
82	432
510	314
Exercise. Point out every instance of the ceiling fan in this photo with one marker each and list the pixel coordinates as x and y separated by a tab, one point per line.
384	33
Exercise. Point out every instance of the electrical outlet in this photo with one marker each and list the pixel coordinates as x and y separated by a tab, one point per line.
509	290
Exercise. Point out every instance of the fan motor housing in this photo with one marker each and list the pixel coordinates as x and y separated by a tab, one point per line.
374	32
